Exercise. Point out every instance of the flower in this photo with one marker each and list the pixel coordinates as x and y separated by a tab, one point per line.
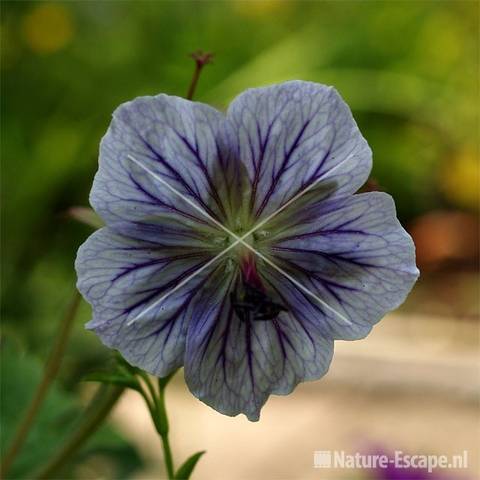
279	171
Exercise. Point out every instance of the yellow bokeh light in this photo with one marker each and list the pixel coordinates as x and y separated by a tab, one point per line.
441	41
460	180
47	28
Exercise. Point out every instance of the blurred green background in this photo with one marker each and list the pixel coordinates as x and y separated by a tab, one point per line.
408	70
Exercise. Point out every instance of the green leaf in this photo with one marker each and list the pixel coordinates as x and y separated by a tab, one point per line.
184	472
59	414
114	379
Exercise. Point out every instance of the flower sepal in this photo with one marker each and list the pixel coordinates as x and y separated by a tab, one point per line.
87	216
122	374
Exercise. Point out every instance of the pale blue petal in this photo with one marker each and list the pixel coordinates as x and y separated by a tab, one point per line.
121	278
186	144
353	254
234	366
295	135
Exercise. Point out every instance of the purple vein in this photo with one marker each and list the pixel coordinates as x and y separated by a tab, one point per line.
238	240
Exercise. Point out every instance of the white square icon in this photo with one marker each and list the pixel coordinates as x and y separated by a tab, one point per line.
322	459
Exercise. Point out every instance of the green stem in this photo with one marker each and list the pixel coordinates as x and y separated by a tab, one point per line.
163	430
151	389
156	406
98	410
51	370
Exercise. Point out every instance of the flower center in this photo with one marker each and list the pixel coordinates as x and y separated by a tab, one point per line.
251	301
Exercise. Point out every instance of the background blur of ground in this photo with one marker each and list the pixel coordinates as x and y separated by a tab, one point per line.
411	386
409	71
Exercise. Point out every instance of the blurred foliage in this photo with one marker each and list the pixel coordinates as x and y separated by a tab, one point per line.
106	455
407	69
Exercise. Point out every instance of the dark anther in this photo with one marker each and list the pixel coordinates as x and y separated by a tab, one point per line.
255	305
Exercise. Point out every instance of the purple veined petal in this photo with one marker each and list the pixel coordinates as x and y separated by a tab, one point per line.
121	278
171	230
186	144
352	253
294	136
233	365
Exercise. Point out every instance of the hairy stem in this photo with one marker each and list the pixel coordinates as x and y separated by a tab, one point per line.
51	369
98	410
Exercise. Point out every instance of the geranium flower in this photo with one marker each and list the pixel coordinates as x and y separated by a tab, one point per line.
279	171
